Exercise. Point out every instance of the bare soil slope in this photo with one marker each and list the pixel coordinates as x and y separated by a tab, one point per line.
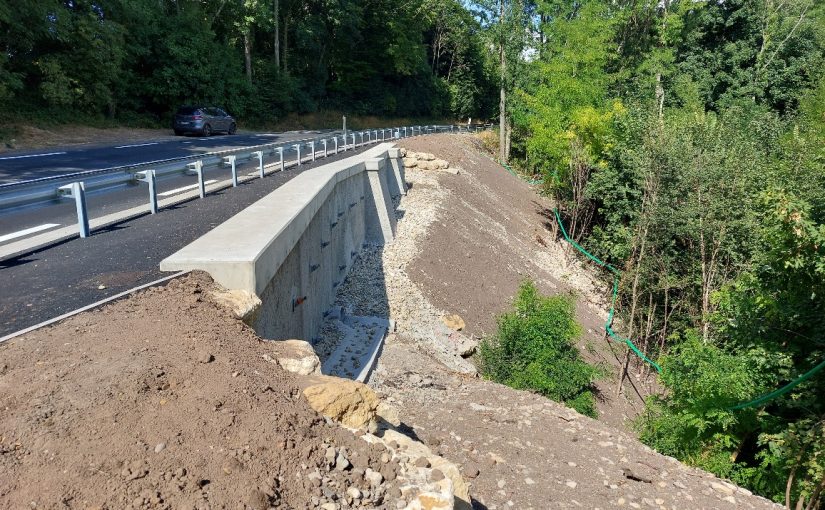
162	400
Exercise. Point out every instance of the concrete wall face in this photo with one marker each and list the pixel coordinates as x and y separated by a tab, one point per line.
317	223
317	265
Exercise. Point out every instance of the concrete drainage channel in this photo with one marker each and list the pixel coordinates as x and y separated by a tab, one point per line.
283	258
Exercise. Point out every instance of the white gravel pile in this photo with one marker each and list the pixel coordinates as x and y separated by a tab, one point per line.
378	285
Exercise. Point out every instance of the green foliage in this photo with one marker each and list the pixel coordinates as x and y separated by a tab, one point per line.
685	143
123	59
534	349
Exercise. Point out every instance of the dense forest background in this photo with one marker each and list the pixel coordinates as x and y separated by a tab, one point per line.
683	142
136	60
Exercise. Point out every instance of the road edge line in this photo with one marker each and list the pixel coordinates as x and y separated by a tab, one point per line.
89	307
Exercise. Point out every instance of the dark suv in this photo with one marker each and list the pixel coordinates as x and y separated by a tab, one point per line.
203	120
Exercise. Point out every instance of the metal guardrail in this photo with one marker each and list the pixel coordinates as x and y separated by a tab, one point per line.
75	185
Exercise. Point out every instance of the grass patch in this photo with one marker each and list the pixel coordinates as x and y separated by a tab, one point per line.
534	349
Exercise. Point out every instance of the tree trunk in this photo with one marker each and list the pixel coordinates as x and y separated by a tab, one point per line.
276	7
508	141
502	104
286	42
247	55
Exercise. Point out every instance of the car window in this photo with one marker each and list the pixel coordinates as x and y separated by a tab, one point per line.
188	110
222	113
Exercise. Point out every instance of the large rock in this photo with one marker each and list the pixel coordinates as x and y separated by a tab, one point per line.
350	403
243	304
299	357
454	322
453	483
410	162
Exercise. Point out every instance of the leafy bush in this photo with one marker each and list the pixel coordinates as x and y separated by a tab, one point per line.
534	350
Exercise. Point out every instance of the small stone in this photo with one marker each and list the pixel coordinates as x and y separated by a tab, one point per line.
471	472
341	462
724	489
501	484
529	481
101	287
160	447
205	357
437	475
454	322
373	477
354	493
257	500
422	462
571	484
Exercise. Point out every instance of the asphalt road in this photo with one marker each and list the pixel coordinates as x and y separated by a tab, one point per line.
27	165
67	276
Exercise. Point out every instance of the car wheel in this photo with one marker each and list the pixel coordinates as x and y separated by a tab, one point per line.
232	129
207	130
178	132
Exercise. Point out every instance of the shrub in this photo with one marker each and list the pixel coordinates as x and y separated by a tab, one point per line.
534	350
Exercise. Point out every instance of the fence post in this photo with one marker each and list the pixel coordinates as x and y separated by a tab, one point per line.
281	157
312	146
230	160
353	141
148	176
325	146
197	167
77	190
336	143
298	148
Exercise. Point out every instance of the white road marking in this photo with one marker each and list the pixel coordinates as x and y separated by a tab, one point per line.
34	155
136	145
185	188
22	233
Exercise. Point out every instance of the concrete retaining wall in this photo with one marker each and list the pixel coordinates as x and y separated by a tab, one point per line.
294	246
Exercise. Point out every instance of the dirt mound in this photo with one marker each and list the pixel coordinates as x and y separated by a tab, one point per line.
164	400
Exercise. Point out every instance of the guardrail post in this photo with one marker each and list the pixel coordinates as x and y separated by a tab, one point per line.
197	167
148	176
298	148
376	135
281	156
77	190
405	131
335	138
312	146
230	160
325	146
260	156
353	141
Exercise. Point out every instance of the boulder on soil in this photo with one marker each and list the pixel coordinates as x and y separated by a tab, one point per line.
454	322
350	403
410	162
416	450
299	357
243	304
